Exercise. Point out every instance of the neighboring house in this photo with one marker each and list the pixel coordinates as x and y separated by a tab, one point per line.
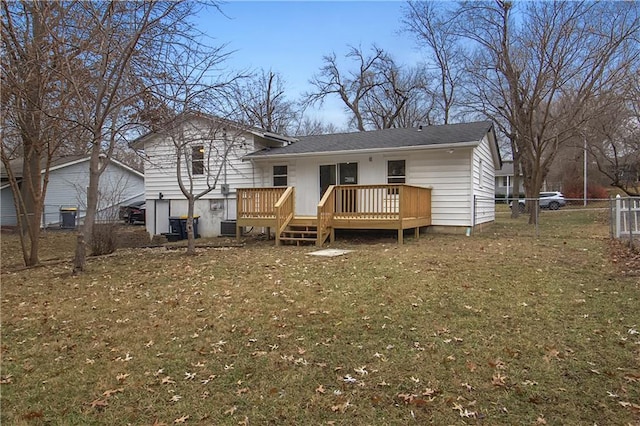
457	162
68	180
504	181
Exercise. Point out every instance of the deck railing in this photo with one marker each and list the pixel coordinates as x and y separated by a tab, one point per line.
416	201
258	202
325	216
284	210
389	202
385	206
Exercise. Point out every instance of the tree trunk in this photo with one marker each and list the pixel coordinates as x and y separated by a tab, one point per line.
86	231
515	206
191	242
80	258
31	201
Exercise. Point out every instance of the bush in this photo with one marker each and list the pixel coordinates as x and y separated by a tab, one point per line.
575	190
103	239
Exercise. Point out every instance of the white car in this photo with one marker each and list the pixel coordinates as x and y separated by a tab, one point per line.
552	200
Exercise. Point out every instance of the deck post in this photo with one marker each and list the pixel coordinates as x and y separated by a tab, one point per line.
400	236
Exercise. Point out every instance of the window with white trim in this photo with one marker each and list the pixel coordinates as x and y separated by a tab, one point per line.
396	171
280	175
197	160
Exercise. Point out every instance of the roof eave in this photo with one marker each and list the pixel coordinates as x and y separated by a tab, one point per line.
452	145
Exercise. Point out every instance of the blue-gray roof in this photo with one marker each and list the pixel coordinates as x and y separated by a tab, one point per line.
383	139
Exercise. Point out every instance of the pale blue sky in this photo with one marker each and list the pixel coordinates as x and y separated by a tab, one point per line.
290	37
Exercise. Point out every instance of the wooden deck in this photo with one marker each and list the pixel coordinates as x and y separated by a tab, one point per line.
396	207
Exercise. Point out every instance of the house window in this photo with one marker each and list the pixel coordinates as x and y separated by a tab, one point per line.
197	160
503	181
481	174
396	171
280	176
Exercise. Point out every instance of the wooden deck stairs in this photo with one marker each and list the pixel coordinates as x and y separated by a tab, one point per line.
300	230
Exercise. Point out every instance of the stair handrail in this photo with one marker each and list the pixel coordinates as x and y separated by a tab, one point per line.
284	210
326	210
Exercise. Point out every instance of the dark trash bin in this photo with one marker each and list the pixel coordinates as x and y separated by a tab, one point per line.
68	216
175	226
178	225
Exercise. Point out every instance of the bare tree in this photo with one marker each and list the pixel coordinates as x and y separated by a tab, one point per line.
306	126
33	94
80	67
191	102
433	26
399	101
124	41
263	102
351	88
536	78
378	93
613	142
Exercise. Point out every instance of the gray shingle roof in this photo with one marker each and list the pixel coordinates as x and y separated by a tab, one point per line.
383	139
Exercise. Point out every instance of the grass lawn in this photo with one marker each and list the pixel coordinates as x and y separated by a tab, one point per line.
497	328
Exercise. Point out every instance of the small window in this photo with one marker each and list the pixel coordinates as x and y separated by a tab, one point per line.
395	174
216	205
504	181
197	160
280	176
396	171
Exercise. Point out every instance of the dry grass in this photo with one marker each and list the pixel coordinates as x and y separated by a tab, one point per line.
498	328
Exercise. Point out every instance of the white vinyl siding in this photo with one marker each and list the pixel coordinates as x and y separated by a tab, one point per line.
483	184
160	176
448	174
67	188
7	208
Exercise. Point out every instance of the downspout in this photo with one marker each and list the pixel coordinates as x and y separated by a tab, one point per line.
155	217
226	158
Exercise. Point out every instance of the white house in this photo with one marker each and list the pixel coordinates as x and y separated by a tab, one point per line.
504	182
458	162
203	142
68	180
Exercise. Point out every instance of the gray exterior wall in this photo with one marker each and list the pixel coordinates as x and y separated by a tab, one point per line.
67	188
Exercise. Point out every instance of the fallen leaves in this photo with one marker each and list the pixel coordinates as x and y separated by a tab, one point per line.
182	419
421	364
110	392
167	380
122	377
242	391
341	407
498	379
98	403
